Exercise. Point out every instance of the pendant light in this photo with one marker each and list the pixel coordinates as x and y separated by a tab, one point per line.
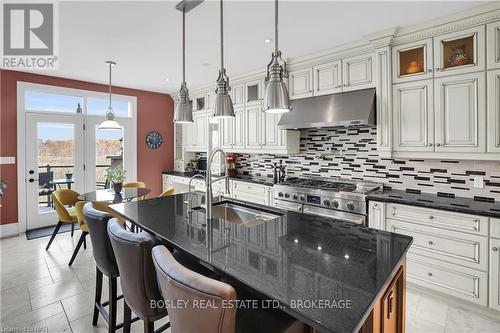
110	123
223	106
276	99
183	111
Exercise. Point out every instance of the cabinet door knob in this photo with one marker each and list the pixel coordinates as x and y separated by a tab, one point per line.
375	205
430	145
437	69
431	242
429	70
438	144
494	248
430	274
431	217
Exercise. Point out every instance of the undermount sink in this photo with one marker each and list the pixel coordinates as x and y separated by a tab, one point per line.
240	214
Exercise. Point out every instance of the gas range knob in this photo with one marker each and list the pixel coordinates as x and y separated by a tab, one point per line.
280	194
350	205
302	198
335	204
295	196
327	202
287	195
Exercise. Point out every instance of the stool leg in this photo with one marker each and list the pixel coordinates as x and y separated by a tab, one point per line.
56	230
127	317
72	229
149	326
112	304
98	292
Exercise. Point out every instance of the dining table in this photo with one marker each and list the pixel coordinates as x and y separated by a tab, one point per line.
327	273
109	195
62	181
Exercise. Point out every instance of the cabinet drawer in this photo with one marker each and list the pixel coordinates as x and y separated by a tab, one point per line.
249	188
461	282
250	198
450	246
495	228
473	224
180	180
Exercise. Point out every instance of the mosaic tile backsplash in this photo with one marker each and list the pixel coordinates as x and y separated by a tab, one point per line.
352	153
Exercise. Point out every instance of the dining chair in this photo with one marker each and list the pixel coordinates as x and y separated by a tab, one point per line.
137	276
167	192
134	185
178	282
62	199
105	265
83	227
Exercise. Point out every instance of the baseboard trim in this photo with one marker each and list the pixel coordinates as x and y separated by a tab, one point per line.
9	230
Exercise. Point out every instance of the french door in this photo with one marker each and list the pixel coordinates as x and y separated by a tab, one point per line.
54	159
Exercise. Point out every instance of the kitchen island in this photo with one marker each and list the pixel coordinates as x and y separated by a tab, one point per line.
334	276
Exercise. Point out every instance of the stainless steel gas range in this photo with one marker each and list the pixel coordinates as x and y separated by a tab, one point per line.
338	198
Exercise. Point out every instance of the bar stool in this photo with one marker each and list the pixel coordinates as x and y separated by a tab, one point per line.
138	276
177	282
105	265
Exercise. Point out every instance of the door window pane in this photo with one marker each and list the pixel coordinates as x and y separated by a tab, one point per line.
99	106
51	102
108	152
56	156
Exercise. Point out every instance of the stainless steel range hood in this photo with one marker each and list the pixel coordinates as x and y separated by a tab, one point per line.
344	109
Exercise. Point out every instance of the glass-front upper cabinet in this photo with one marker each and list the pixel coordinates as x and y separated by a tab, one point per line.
412	61
460	52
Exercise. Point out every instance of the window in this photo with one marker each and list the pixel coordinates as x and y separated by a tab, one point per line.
52	102
99	106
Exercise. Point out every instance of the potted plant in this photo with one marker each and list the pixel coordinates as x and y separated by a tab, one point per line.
69	175
116	175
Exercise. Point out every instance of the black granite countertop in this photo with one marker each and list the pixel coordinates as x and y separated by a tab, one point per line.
456	204
288	258
245	178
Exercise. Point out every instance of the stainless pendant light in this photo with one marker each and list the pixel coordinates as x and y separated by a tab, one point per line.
223	106
276	99
183	111
110	123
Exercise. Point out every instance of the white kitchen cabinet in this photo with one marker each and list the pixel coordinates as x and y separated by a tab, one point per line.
376	215
271	133
471	41
357	73
413	120
201	129
495	228
493	111
199	103
493	45
460	113
256	193
238	95
494	274
253	92
188	135
253	127
412	61
327	78
462	282
301	83
166	182
232	130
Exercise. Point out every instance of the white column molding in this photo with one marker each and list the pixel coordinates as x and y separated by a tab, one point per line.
384	100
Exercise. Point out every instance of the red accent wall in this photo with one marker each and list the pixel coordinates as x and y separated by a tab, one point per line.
154	112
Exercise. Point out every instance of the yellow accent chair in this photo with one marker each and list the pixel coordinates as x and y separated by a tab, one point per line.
167	192
61	199
83	227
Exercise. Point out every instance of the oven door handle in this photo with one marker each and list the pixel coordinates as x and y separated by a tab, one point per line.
296	207
335	214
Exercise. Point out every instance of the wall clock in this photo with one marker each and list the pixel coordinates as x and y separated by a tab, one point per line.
154	140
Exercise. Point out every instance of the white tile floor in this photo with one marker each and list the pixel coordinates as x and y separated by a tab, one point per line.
37	288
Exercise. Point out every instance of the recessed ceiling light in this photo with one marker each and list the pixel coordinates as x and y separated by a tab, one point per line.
268	40
167	79
205	64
